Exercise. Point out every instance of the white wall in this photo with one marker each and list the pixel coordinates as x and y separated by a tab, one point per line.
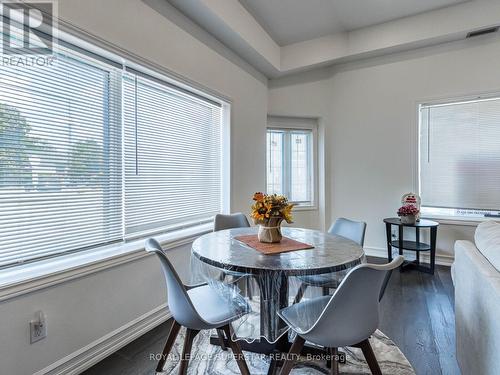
370	117
80	312
367	113
306	96
83	310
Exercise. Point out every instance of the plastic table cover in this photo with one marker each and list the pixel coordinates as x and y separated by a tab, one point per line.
263	284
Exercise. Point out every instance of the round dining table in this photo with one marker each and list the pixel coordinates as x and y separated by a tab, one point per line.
221	251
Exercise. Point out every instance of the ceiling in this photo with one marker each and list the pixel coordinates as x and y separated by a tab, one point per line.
291	21
265	34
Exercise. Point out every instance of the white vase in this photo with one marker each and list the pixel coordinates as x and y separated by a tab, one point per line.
408	219
271	231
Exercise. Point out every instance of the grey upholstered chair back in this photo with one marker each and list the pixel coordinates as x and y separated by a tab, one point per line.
352	314
179	302
237	220
353	230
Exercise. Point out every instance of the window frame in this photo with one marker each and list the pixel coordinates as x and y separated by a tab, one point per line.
111	122
104	55
453	219
285	123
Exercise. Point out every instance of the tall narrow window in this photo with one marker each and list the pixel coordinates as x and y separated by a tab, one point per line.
291	159
60	157
460	158
275	161
173	154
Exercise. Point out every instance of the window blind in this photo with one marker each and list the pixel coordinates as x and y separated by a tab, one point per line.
93	153
460	155
60	157
172	153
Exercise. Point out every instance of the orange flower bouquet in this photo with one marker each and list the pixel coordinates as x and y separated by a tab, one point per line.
268	211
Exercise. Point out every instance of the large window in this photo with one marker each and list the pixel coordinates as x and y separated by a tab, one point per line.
291	159
92	154
172	156
459	156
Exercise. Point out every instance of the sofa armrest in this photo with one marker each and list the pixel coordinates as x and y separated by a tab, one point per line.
467	253
477	308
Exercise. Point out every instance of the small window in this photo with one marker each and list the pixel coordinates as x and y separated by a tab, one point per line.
459	152
291	160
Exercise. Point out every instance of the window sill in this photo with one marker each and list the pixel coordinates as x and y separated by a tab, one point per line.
454	220
22	279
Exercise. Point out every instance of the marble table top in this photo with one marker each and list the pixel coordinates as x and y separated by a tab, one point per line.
331	253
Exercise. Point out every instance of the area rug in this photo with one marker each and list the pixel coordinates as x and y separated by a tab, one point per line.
209	359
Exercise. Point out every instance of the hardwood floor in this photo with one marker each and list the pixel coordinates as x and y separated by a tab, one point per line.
417	314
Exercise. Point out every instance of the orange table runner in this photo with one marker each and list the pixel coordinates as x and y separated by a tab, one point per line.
286	244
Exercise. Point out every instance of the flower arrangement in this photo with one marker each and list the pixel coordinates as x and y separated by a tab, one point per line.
408	210
267	208
408	214
268	211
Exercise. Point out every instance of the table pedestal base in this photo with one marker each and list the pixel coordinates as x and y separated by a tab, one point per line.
260	347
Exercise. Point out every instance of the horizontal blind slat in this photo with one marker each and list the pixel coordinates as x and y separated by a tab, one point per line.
60	158
64	160
460	155
172	157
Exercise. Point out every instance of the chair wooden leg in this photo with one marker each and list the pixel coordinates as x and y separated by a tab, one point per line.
220	334
238	354
300	293
334	370
292	355
370	357
274	364
186	350
172	335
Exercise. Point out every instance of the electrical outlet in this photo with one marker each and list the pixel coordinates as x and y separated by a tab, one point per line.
38	328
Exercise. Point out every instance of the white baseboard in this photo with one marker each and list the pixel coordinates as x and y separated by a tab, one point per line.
443	260
96	351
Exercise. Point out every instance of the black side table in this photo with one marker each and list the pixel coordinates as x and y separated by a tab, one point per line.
416	245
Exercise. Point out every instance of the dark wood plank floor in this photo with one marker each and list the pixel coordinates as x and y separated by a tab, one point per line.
417	313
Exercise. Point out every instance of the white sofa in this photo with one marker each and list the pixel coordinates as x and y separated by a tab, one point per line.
476	276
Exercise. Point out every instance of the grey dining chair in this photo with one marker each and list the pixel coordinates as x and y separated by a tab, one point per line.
350	229
353	230
236	220
347	318
197	308
229	221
